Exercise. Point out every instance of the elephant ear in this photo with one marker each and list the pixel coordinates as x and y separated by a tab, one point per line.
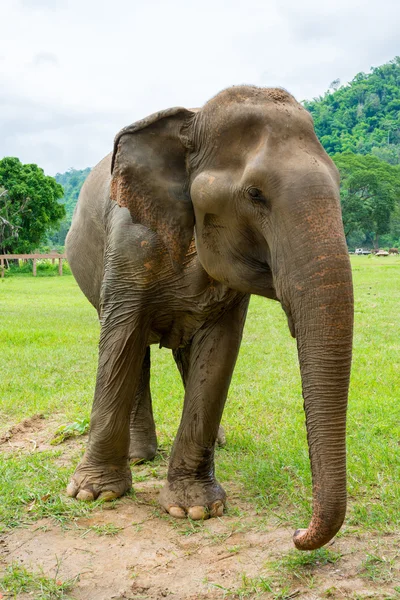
149	177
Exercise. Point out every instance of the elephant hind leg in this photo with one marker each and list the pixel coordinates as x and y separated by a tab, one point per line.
182	359
143	439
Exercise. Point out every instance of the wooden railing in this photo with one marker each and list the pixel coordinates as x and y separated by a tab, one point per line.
53	256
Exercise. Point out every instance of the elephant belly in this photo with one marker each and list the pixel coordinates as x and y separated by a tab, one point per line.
176	334
174	329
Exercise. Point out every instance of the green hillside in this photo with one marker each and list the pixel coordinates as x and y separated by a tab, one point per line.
362	117
71	181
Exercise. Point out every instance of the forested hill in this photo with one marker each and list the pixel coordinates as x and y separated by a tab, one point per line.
72	181
362	116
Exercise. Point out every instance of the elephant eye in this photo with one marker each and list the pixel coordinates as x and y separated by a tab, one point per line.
256	194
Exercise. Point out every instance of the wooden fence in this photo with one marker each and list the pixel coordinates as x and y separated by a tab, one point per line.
53	256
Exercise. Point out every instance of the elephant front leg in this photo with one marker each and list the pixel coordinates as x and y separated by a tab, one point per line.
191	487
104	471
143	439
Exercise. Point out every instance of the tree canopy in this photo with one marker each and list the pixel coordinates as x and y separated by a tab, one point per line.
362	117
29	206
369	190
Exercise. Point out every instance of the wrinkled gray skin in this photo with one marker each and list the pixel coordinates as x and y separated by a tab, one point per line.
248	178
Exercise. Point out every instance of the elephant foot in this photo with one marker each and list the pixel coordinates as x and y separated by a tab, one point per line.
103	482
143	440
139	452
197	500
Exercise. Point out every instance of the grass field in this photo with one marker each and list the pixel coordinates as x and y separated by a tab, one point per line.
48	350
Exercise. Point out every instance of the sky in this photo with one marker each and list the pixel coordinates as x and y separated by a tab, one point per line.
74	72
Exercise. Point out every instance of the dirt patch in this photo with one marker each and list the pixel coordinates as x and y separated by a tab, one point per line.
19	432
132	550
36	434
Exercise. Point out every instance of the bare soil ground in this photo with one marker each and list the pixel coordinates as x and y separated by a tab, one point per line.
131	550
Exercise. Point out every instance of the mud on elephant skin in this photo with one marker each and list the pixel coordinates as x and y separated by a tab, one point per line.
192	212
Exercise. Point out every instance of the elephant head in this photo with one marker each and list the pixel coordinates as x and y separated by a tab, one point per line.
248	173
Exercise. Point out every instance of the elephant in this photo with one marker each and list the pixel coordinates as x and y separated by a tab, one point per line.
192	212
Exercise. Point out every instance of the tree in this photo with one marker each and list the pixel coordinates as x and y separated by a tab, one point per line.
370	189
362	115
8	231
29	206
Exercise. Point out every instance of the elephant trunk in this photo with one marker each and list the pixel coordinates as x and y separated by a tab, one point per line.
320	305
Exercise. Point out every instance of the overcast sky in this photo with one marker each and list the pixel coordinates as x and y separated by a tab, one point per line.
73	72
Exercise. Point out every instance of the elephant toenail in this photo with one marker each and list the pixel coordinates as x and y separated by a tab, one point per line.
197	513
72	489
108	496
217	509
85	496
177	512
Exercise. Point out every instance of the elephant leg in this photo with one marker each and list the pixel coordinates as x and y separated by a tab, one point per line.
104	470
191	486
182	359
143	439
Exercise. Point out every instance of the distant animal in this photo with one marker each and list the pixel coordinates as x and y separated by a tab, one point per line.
393	251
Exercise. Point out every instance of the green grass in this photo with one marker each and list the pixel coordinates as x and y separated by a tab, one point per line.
301	566
377	568
298	561
256	587
17	579
107	530
32	487
48	349
48	345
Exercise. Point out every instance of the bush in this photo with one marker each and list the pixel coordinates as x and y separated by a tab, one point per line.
44	268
